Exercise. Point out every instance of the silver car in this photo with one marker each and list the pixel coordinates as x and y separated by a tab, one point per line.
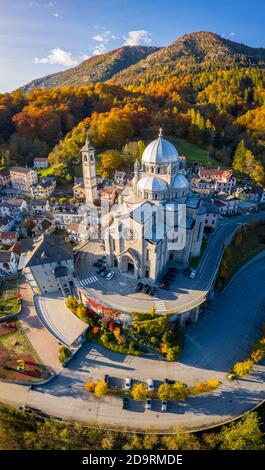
128	383
148	404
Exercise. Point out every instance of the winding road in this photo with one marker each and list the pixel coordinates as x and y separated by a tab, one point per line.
221	337
184	294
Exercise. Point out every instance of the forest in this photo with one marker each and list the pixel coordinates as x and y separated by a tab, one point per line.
20	432
217	110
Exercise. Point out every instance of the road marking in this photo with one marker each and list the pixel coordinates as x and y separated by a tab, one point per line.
90	280
160	306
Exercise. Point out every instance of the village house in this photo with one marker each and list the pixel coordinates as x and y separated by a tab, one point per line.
49	266
228	204
44	188
78	232
7	223
8	238
108	193
23	178
40	163
8	263
5	179
79	191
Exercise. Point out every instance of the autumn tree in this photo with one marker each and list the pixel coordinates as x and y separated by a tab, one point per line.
245	434
164	392
139	391
101	388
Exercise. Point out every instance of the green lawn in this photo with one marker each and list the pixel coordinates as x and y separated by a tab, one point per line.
194	262
193	153
18	343
9	303
46	172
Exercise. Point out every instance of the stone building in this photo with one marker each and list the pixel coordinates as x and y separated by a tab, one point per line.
49	266
158	192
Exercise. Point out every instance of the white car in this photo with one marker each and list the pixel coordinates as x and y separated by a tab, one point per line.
148	404
150	385
164	406
110	275
192	274
128	383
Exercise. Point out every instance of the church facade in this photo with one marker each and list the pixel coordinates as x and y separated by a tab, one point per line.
145	226
157	219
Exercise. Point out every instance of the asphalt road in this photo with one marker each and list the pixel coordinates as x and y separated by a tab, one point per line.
184	294
221	337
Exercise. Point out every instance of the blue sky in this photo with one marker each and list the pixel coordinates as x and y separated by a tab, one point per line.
39	37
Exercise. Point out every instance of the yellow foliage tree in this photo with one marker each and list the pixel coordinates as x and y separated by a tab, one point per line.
101	388
139	391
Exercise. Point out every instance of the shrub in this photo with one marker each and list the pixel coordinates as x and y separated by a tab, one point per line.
71	303
139	391
243	368
173	353
101	388
212	384
64	354
90	386
178	391
163	392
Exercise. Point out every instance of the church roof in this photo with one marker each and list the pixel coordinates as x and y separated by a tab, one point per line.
152	183
180	182
160	151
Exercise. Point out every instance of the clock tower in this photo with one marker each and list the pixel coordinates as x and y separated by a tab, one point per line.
89	172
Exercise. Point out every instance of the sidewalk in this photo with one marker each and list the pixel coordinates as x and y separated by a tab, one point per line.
42	341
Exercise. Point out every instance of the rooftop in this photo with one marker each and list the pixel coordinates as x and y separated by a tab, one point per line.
49	248
21	169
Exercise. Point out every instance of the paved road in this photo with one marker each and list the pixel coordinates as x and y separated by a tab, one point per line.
221	337
184	294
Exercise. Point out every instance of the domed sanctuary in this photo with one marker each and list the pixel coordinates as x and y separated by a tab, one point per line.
139	241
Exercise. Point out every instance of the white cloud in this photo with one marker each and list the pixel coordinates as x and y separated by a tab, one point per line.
56	15
57	56
51	3
135	38
102	40
99	49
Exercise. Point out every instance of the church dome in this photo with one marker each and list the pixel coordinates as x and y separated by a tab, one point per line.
152	183
160	152
180	182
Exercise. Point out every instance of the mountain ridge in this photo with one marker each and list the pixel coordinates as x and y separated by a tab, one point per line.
131	64
98	68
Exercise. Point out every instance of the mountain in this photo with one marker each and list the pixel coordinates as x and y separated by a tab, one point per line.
192	52
95	69
130	64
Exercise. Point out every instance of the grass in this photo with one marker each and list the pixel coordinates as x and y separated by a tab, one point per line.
248	242
9	303
18	343
193	153
46	172
194	262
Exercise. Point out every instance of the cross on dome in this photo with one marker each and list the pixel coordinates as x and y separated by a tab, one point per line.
160	132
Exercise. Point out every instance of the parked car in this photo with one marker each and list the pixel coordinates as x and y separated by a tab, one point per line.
164	406
128	383
104	272
125	403
193	274
164	285
146	288
166	381
139	287
97	264
150	385
152	291
110	275
187	271
106	378
148	404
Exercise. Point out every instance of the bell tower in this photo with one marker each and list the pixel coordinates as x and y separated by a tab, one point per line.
89	172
